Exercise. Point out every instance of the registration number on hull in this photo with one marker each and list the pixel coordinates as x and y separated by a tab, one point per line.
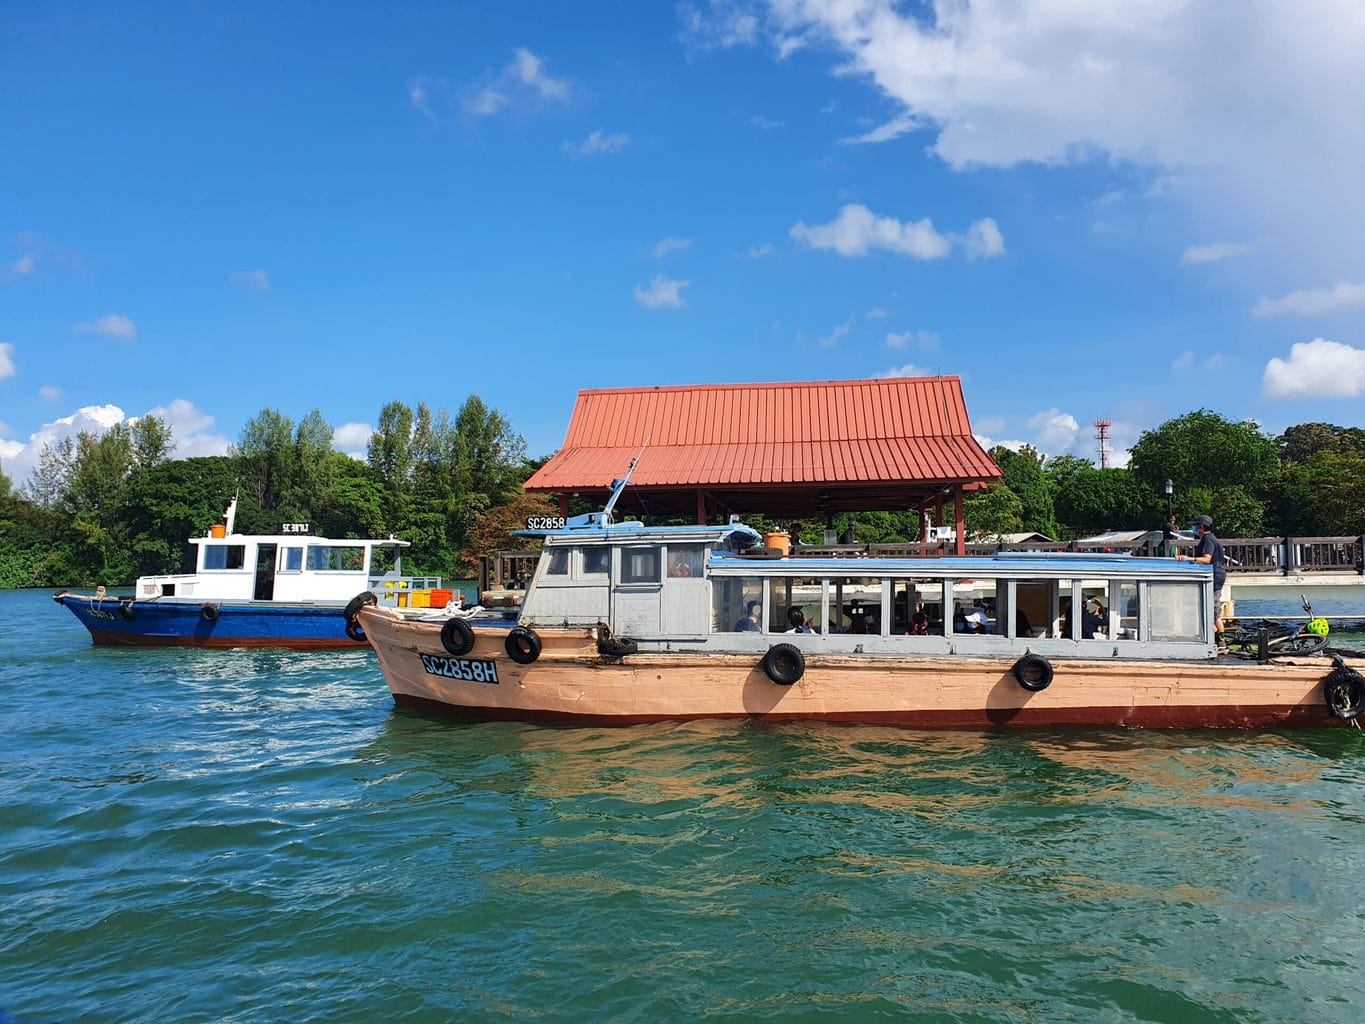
472	669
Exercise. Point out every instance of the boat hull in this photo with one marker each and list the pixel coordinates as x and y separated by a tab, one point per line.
251	624
571	683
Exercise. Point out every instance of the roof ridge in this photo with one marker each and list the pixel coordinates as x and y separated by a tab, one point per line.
859	381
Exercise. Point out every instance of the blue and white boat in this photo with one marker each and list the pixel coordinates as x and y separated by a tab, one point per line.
291	589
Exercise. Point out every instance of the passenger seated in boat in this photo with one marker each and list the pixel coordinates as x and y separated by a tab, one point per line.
1092	619
977	620
797	618
1022	626
749	624
919	622
960	623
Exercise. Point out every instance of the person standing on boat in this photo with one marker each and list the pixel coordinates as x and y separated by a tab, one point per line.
1210	552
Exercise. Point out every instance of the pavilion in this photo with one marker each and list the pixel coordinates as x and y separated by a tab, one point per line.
788	451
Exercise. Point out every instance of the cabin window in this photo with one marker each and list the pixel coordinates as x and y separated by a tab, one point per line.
684	563
596	561
336	558
224	556
855	605
557	562
790	594
1174	611
1095	609
1125	610
291	560
917	607
975	609
737	605
639	565
1041	603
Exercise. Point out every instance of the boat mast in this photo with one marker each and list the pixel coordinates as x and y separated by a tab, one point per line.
619	486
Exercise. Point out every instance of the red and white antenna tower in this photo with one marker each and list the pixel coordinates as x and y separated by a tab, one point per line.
1102	436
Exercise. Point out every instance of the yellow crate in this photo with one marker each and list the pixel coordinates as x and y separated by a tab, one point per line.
421	599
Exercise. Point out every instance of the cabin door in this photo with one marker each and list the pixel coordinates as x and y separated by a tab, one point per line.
265	572
636	597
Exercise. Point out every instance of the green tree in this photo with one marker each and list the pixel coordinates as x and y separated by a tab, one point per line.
993	511
1299	443
1204	454
171	502
265	459
1091	500
47	483
152	441
1023	474
1323	496
390	457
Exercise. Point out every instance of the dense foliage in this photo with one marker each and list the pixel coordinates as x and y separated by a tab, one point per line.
106	508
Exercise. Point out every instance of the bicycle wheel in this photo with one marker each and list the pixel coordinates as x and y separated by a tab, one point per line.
1303	644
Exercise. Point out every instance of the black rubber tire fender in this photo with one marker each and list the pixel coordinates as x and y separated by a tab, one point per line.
209	612
784	664
358	602
457	637
125	608
1033	672
522	645
1344	692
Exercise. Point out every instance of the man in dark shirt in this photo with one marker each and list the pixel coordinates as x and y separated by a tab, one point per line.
1210	552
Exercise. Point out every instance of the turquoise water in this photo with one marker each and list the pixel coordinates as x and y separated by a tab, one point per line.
257	836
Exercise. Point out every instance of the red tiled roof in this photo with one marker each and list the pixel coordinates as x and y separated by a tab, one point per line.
904	430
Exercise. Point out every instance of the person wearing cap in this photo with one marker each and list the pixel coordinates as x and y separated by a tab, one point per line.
1210	552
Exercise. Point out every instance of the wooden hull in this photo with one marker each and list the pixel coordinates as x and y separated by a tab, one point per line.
571	683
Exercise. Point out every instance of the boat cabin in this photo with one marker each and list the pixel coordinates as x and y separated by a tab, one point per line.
289	567
714	588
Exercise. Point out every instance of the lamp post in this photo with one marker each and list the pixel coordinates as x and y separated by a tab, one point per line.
1170	515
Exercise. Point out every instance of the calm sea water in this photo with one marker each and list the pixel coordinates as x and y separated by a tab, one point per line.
246	836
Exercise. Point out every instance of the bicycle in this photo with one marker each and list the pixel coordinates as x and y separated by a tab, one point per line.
1264	640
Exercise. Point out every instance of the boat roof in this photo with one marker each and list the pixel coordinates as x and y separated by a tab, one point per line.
300	539
1017	564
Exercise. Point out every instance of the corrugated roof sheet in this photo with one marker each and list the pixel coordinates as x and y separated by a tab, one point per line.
903	429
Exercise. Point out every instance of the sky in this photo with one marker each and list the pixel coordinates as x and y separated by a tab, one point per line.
1087	211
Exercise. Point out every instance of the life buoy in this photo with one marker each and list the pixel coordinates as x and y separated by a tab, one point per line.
209	612
784	664
355	631
522	645
617	647
1344	692
125	608
1033	672
457	637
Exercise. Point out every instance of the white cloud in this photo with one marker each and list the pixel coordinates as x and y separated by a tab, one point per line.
190	429
23	265
1311	301
1188	360
662	293
984	240
249	280
420	98
1215	252
1235	100
1183	361
841	331
876	313
353	439
523	82
908	370
767	124
113	325
21	461
725	24
1316	369
757	252
597	144
48	393
926	340
1057	430
668	245
991	424
6	360
857	230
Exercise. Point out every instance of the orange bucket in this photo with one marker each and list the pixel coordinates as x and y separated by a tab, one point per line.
218	530
779	541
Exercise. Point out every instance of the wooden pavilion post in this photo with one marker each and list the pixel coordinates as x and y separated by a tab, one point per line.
564	505
701	507
961	545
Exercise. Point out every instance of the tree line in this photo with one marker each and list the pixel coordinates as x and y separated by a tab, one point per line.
109	507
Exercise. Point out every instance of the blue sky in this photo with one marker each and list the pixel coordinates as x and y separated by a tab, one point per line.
1085	211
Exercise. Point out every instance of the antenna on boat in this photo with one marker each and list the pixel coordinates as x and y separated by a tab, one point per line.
619	486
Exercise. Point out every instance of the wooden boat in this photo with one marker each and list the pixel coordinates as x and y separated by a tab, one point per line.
292	589
625	623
